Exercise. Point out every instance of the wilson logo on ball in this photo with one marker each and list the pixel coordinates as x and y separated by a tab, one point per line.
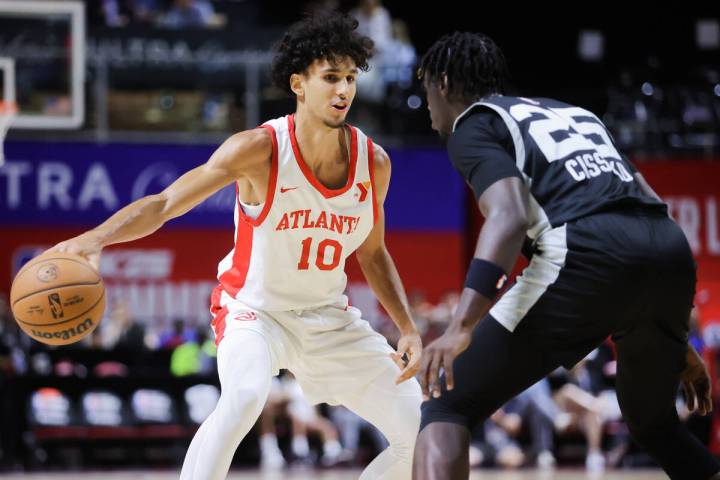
65	334
56	305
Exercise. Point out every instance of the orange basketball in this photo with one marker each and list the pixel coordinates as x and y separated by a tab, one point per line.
57	298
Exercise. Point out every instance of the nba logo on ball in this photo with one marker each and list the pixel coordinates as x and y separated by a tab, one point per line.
56	305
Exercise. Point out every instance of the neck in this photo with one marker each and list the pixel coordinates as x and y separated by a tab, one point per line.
316	140
457	108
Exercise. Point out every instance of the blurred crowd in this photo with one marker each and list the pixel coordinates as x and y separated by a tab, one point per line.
651	110
649	115
160	13
570	418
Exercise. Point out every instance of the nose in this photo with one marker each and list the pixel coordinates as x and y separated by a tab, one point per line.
342	89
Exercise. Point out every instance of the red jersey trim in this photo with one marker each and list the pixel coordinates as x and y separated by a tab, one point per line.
326	192
371	168
270	195
219	325
233	279
219	313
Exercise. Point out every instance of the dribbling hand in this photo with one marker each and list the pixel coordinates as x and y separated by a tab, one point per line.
85	245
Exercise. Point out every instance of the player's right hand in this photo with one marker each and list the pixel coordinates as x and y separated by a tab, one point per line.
86	245
441	353
409	345
696	383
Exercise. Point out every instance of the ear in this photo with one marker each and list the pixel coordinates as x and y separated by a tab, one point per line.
443	85
296	84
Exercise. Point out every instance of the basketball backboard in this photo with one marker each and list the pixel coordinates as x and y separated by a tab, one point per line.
42	45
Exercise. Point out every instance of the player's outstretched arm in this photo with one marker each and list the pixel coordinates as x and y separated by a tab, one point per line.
240	155
382	276
504	206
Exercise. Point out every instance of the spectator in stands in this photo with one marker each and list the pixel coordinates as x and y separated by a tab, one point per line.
145	11
120	13
306	419
121	330
208	353
350	426
375	22
189	14
399	58
174	337
492	444
113	13
271	457
185	359
590	403
13	359
6	363
286	396
536	410
194	356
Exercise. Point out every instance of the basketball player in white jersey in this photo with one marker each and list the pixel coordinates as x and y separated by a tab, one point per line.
310	192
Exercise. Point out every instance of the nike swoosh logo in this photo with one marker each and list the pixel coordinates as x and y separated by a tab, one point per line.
284	189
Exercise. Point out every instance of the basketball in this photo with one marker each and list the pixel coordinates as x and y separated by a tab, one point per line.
57	298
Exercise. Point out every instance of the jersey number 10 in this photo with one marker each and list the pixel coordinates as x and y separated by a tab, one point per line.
322	248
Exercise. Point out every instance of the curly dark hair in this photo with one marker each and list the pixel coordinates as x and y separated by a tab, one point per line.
329	36
475	66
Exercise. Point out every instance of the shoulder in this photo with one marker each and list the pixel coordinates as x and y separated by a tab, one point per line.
245	151
380	159
480	126
252	141
479	121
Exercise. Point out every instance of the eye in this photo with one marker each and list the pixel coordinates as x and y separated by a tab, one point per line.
331	78
351	79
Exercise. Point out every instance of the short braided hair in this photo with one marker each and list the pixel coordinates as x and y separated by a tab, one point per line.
474	65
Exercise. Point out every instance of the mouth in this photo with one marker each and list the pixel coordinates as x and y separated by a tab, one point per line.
341	106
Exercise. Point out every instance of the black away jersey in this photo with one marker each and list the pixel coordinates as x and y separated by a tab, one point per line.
564	154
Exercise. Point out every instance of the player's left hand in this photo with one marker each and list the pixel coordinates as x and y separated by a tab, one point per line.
441	354
409	344
696	383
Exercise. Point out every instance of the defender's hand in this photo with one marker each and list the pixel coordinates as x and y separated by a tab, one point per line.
441	353
696	383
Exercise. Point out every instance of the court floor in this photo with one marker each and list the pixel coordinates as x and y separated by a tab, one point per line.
561	474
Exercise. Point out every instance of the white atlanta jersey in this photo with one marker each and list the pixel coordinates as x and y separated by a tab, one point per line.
292	256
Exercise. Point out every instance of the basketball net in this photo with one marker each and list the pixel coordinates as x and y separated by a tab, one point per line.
8	110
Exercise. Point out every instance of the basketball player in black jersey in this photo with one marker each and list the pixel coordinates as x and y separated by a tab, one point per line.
606	260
